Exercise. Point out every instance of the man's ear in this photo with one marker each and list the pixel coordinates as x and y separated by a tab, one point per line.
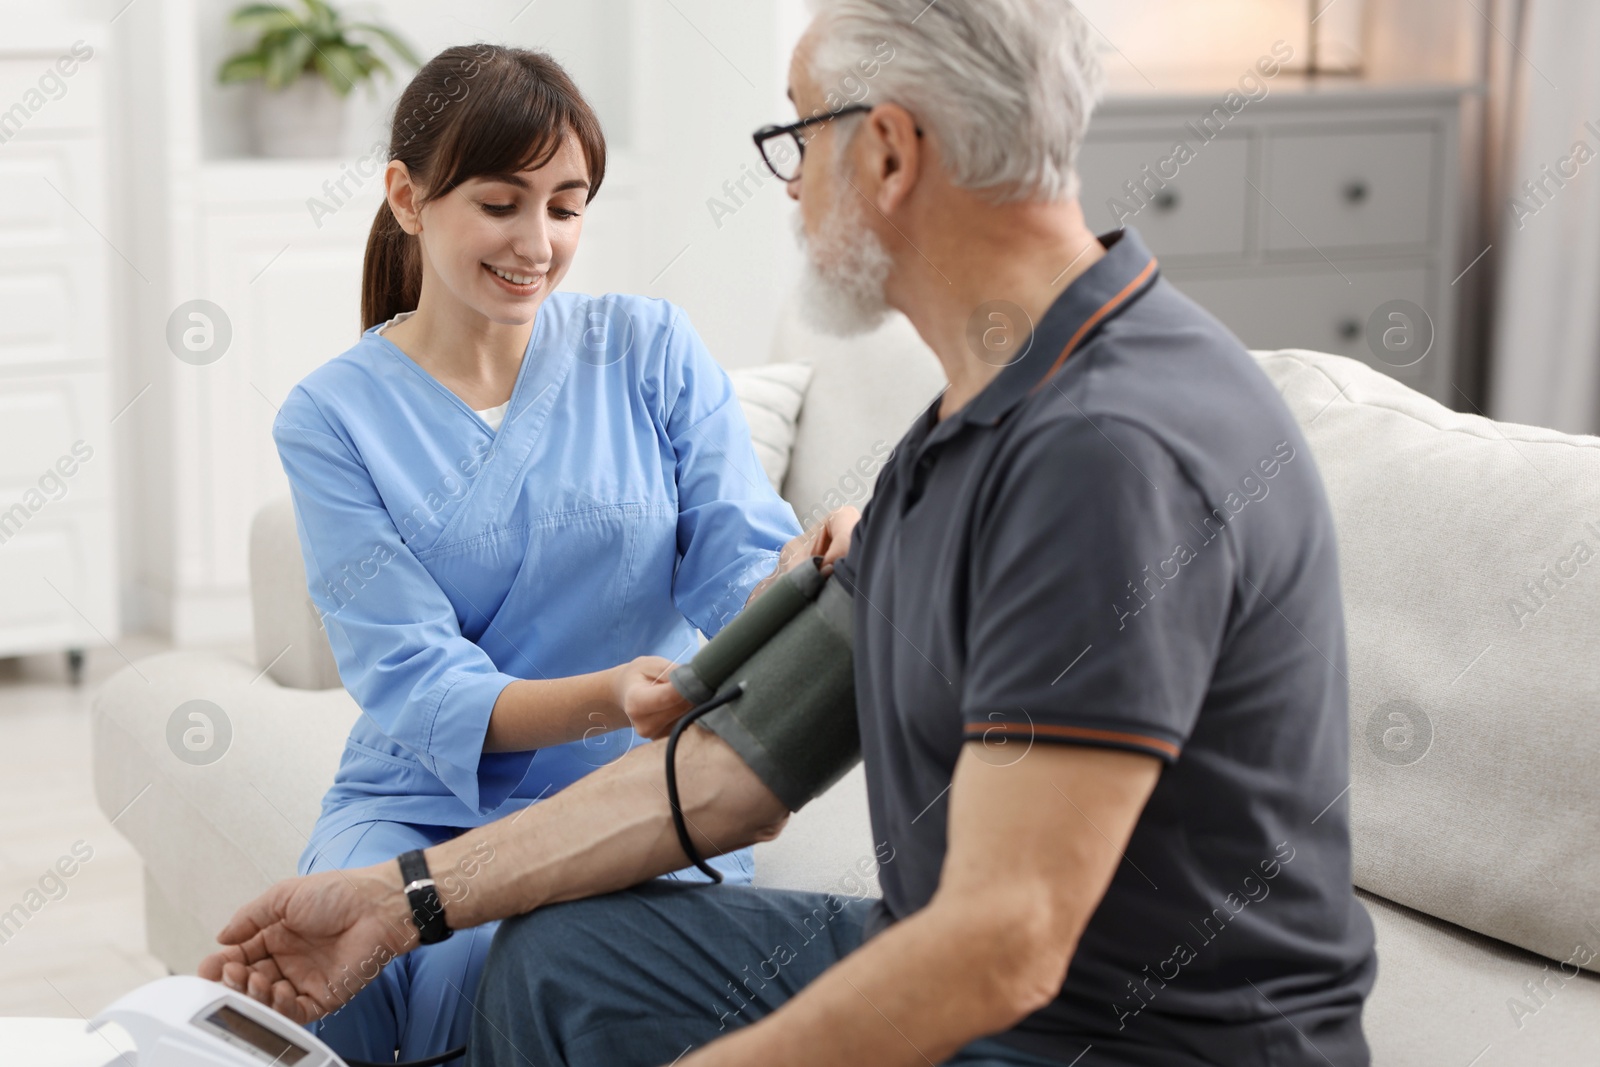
402	194
897	155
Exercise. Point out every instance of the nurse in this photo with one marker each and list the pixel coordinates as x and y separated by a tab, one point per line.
516	506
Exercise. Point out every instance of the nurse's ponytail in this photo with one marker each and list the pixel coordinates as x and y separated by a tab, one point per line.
471	110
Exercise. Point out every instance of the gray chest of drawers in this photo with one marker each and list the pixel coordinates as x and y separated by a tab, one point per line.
1319	215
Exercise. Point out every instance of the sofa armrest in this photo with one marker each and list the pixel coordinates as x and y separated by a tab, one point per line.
291	644
216	826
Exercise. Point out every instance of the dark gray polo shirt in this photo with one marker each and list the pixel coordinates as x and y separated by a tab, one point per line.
1130	549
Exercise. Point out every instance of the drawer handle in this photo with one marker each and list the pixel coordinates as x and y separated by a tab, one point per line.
1357	192
1350	329
1166	201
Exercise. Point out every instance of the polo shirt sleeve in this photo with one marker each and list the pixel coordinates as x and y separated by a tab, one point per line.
1098	604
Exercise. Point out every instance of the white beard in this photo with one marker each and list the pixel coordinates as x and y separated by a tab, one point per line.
842	285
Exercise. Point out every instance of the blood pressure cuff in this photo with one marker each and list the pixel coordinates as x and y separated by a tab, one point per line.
795	722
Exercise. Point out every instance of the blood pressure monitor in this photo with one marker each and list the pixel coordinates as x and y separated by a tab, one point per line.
184	1021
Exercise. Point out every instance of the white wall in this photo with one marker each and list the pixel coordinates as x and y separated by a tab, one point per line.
1158	39
1417	39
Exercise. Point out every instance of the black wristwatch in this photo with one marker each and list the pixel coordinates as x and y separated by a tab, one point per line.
426	910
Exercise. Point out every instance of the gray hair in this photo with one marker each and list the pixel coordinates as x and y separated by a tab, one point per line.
1006	86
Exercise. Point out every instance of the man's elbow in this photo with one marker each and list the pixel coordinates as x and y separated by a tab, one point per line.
722	795
1019	951
769	829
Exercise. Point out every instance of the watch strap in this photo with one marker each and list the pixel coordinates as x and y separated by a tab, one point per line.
427	911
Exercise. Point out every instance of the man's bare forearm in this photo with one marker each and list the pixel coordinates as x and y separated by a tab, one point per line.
607	831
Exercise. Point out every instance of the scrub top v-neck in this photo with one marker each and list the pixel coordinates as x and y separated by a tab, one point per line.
618	508
493	417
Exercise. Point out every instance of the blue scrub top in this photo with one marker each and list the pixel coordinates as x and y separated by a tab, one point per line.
619	508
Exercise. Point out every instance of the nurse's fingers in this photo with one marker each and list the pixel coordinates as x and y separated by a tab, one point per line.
833	541
655	668
653	709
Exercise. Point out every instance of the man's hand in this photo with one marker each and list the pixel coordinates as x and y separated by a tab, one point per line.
307	945
829	539
645	694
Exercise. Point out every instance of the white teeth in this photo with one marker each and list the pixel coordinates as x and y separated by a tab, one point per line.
514	279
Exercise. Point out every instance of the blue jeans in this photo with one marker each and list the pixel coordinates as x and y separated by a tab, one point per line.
643	976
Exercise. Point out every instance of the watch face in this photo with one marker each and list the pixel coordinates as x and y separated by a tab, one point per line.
240	1029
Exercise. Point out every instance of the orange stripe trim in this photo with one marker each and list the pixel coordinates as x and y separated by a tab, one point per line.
1094	320
1078	733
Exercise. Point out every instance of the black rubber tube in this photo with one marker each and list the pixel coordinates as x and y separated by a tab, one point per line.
682	724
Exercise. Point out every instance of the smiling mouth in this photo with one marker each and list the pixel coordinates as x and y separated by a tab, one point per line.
513	278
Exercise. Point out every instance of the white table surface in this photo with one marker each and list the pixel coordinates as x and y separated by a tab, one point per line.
62	1043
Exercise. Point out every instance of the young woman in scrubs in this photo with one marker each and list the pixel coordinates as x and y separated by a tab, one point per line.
516	506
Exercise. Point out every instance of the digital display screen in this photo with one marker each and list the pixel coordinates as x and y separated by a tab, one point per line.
272	1045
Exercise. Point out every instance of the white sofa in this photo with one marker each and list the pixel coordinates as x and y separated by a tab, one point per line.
1479	861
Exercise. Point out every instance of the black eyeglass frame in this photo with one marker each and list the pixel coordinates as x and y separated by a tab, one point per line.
768	133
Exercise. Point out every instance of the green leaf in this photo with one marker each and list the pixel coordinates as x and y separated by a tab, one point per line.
340	67
364	59
292	43
264	17
246	66
324	20
392	39
285	63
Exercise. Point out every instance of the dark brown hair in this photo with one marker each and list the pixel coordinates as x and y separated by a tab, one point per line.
471	110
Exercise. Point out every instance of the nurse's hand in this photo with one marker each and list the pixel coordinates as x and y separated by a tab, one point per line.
645	694
829	539
307	945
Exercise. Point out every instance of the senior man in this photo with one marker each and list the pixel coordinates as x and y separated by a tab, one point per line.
1099	663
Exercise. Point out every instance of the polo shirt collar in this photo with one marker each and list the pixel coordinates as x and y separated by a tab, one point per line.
1110	285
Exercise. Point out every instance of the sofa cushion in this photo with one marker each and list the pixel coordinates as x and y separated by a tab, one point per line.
1447	996
1470	557
770	398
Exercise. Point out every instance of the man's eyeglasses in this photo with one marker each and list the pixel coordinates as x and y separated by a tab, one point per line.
784	147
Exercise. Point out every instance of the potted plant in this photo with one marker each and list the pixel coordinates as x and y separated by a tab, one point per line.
305	63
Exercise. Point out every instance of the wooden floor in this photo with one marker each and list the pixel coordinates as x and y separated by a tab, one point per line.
85	946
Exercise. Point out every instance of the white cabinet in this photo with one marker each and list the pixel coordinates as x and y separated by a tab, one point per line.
58	572
1301	218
